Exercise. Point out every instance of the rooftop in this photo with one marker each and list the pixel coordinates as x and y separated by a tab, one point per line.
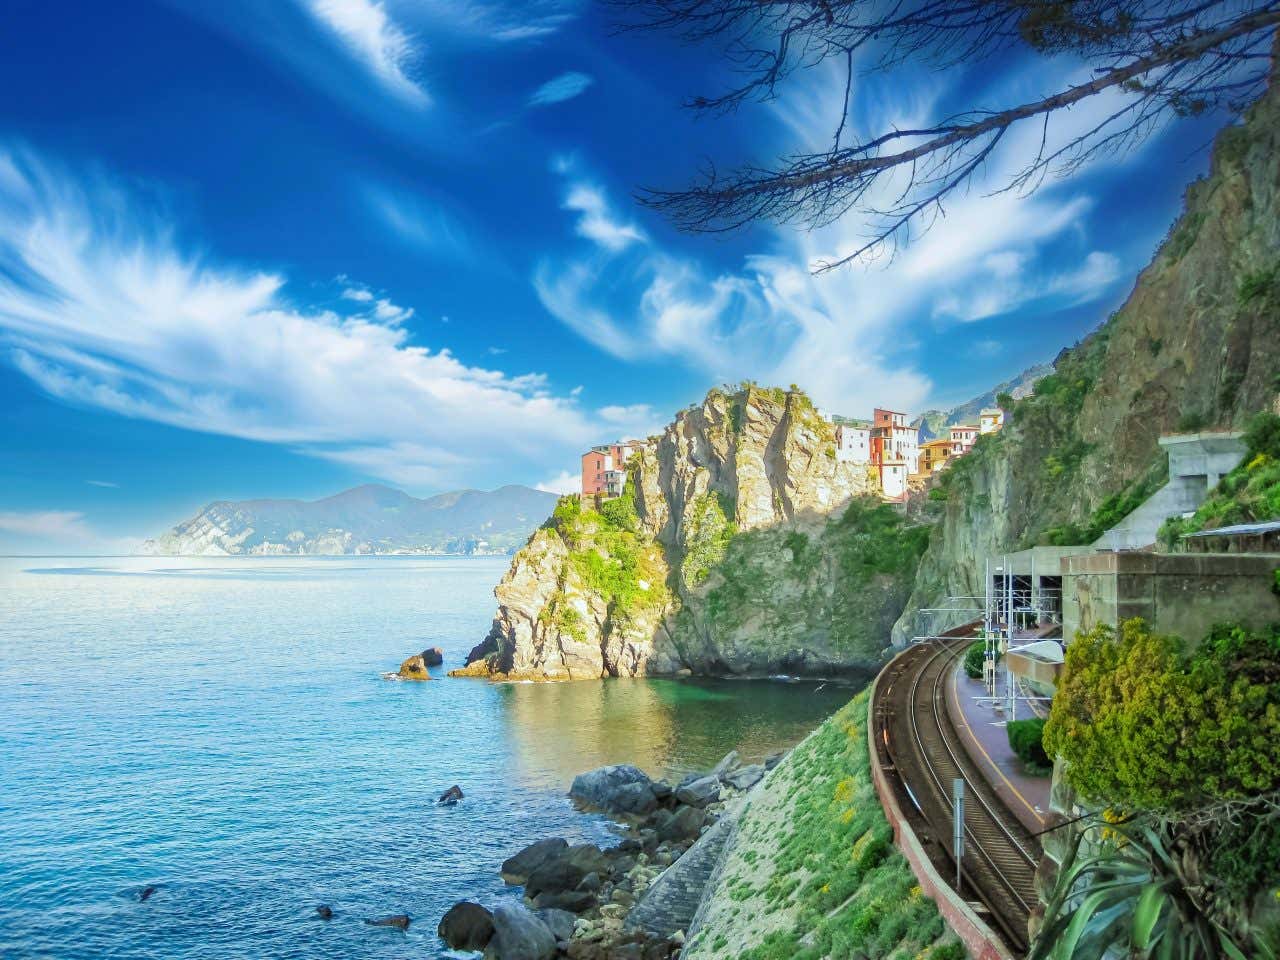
1239	529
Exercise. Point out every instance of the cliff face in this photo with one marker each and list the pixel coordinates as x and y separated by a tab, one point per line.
739	546
1196	346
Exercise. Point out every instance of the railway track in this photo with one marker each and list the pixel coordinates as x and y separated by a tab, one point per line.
920	744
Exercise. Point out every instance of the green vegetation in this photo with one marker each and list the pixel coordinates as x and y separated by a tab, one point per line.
1183	234
612	558
1249	493
830	884
1144	724
1261	286
1026	739
974	658
708	529
1111	511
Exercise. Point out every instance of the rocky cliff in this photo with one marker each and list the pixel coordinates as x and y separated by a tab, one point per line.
1195	346
741	545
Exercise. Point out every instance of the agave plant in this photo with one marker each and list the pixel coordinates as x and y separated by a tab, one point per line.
1136	895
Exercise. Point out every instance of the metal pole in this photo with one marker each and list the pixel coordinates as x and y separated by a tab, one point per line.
957	834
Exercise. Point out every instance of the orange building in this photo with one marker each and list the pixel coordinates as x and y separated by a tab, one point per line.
604	470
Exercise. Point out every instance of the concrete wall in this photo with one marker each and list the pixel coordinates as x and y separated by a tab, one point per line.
1180	593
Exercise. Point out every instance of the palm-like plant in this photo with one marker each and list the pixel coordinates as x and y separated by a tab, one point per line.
1137	895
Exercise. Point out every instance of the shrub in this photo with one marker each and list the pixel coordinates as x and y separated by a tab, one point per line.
1026	740
1144	724
973	659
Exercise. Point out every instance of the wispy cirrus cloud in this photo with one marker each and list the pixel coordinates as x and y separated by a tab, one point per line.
102	308
61	525
376	40
561	88
597	221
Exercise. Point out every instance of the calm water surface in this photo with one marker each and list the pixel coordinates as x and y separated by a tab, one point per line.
219	729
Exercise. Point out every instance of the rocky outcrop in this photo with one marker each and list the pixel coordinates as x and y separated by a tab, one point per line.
1195	346
725	555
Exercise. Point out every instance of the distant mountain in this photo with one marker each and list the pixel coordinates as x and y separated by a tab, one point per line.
371	519
932	422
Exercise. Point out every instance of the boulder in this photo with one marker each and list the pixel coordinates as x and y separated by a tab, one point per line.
566	870
400	921
559	922
146	893
621	788
516	869
433	656
519	934
700	792
573	901
415	668
774	759
325	911
685	824
466	926
728	762
661	789
744	778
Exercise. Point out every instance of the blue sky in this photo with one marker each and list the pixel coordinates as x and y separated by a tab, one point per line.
255	248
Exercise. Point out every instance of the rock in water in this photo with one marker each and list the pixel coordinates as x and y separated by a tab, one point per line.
621	788
466	926
400	921
433	656
415	668
728	763
146	893
450	796
516	869
325	911
518	934
700	792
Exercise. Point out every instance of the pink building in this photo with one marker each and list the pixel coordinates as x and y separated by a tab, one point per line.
604	470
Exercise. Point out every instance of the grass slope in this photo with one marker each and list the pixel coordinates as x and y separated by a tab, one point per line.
813	872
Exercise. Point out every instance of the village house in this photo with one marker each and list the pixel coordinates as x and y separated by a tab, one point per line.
604	471
853	440
963	436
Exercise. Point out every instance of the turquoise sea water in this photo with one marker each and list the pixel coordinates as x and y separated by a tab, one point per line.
219	729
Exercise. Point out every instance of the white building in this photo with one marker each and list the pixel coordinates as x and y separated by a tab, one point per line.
991	420
853	441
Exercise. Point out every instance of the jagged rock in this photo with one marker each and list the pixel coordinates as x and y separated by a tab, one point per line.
519	934
516	869
574	901
685	824
566	870
466	926
559	922
433	656
727	763
450	796
700	792
621	788
400	921
744	778
414	668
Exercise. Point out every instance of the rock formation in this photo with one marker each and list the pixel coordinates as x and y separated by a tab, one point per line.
736	548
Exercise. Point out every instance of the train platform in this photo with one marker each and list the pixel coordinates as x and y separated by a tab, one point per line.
982	732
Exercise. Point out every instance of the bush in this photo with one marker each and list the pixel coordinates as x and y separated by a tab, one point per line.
1026	740
973	658
1144	724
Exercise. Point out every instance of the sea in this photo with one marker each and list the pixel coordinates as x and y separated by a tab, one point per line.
220	730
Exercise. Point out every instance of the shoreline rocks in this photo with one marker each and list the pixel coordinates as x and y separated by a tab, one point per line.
577	897
414	668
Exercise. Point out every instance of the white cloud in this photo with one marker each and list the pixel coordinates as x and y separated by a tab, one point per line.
561	88
597	221
373	38
102	483
562	483
62	525
358	294
388	312
417	221
100	307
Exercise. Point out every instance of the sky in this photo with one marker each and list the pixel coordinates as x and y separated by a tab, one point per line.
278	248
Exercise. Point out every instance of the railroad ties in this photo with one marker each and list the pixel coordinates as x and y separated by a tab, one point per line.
919	747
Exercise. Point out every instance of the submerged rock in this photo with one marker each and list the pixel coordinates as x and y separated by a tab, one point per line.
466	926
146	893
620	788
450	796
400	921
519	934
325	911
415	668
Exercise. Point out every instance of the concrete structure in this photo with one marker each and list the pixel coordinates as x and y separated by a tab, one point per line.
853	440
962	436
604	468
1036	586
1178	593
1237	538
1197	461
990	420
